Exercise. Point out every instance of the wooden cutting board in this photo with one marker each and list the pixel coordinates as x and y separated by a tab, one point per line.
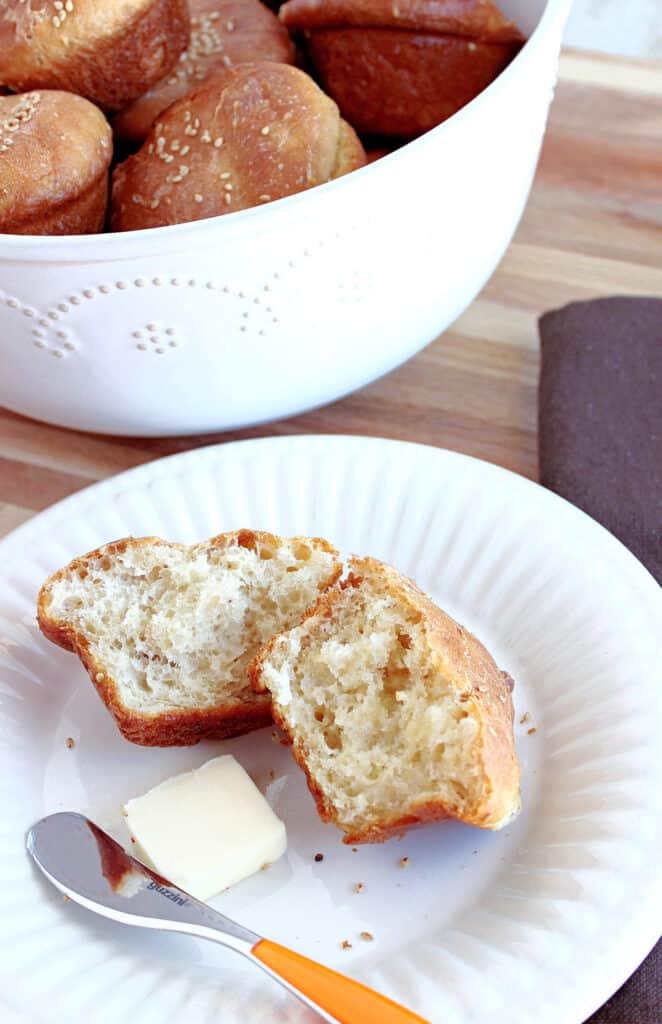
593	227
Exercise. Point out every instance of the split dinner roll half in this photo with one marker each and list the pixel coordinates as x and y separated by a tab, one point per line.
55	151
397	714
223	33
249	135
109	51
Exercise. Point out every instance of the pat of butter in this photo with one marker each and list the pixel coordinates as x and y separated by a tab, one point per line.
207	829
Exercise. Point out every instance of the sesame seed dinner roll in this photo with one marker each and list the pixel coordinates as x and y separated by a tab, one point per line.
223	33
110	51
250	134
55	151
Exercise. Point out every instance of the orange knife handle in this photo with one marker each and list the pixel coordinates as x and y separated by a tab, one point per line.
345	1000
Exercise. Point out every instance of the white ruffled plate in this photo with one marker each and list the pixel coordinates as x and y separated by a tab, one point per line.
540	922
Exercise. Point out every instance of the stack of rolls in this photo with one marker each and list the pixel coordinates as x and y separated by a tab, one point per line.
210	95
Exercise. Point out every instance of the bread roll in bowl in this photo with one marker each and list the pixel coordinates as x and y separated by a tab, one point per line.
400	69
55	152
109	52
223	33
253	133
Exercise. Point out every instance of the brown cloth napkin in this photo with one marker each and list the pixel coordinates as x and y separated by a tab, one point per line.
600	446
600	417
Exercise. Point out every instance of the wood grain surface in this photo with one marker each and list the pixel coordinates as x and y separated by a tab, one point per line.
593	227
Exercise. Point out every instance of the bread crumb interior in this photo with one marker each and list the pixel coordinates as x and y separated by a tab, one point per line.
376	717
175	627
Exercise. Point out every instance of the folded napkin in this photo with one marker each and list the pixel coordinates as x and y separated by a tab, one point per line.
600	416
600	446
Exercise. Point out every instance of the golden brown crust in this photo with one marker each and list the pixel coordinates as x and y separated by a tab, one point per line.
109	53
223	33
55	151
400	69
251	134
175	728
472	19
466	664
400	84
350	154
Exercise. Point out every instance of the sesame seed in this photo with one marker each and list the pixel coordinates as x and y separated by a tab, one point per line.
265	130
218	142
197	197
100	677
228	186
225	174
229	26
228	198
184	150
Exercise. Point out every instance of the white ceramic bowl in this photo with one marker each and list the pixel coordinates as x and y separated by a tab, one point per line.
267	312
